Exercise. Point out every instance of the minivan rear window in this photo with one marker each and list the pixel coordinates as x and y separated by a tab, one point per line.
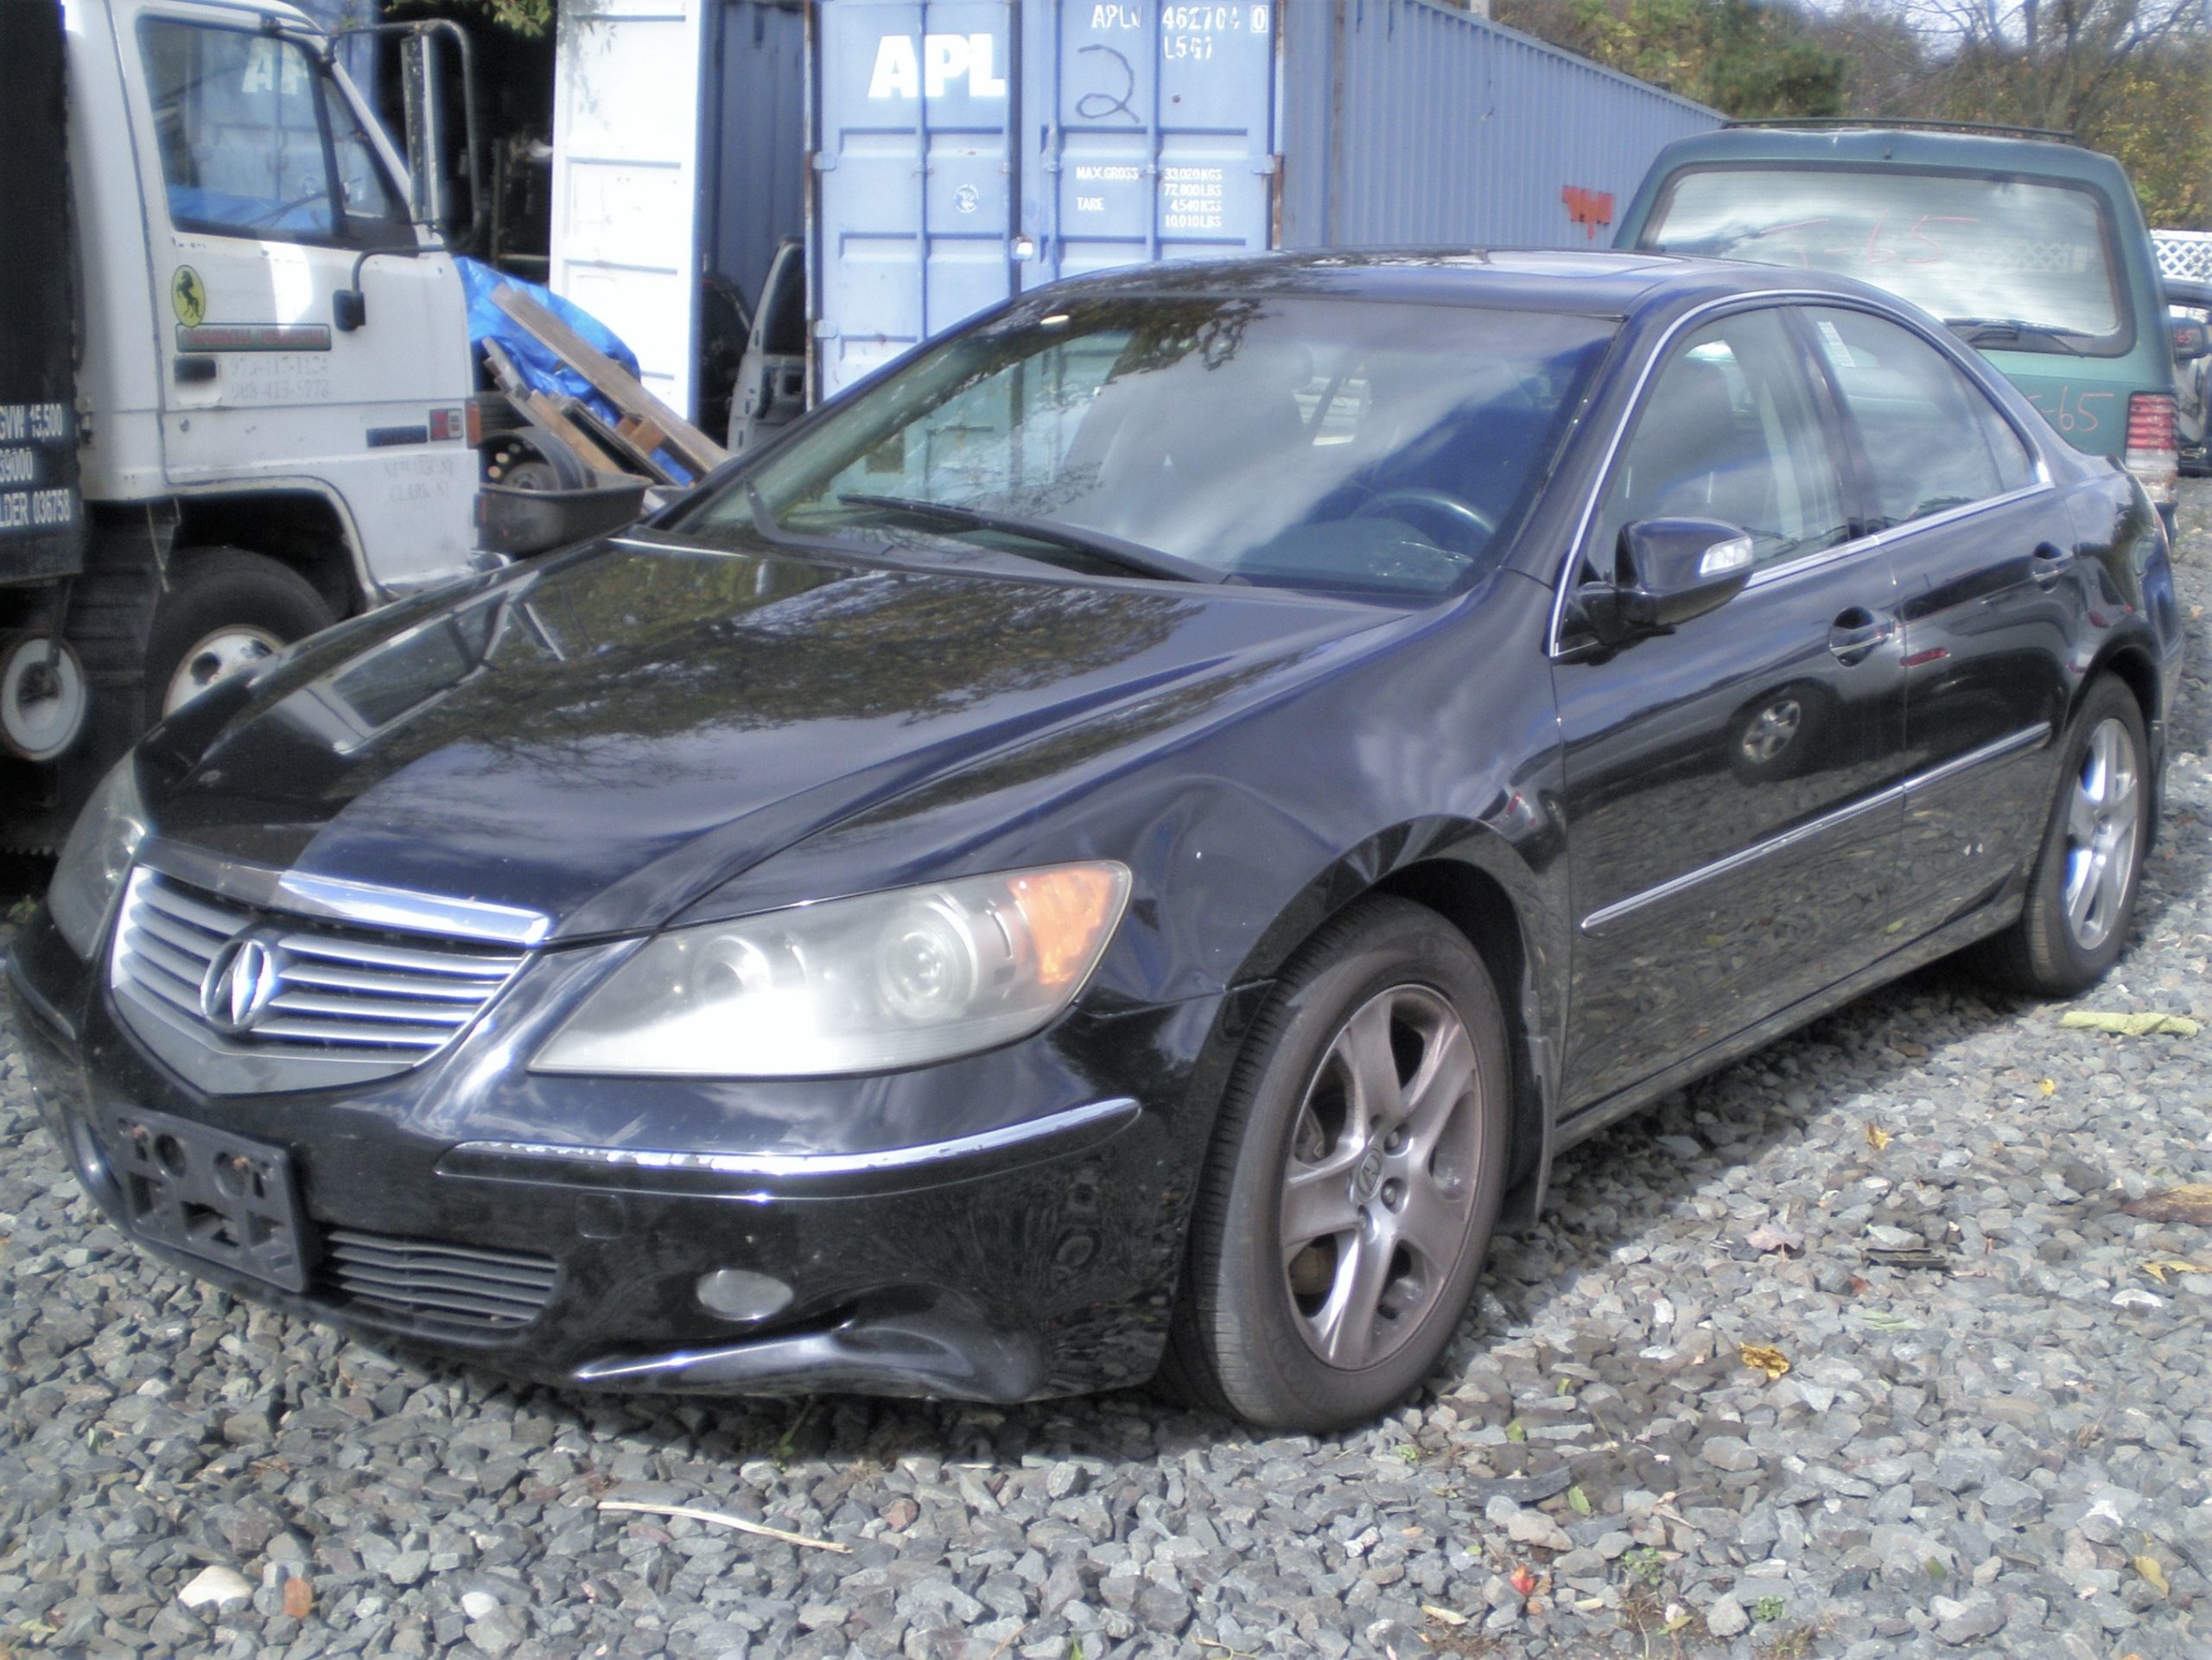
2016	264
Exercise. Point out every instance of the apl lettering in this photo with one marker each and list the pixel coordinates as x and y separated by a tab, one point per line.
902	71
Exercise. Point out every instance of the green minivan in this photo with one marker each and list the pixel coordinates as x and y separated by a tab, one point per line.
2035	251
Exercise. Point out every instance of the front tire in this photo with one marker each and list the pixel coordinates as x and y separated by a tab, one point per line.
2081	903
1356	1175
224	610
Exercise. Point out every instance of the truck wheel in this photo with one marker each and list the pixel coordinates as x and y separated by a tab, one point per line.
225	610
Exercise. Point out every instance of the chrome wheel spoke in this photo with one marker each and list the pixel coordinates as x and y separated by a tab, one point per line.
1432	1225
2082	819
1447	1073
1345	1325
1317	1204
1365	1047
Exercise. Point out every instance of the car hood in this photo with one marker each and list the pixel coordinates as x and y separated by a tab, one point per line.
603	737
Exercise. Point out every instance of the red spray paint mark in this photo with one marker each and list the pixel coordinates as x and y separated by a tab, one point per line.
1588	209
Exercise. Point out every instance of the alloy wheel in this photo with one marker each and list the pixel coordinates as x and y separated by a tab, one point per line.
2103	830
1379	1183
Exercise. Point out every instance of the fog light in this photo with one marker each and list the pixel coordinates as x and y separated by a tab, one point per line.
735	1294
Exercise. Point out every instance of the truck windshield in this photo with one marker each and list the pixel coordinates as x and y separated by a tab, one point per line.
2016	264
1324	443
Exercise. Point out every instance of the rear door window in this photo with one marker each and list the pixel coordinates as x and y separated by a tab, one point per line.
1974	249
1932	439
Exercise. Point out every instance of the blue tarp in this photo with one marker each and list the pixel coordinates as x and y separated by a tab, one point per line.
538	364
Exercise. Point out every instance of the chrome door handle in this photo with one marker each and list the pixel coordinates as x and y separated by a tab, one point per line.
1853	636
2050	564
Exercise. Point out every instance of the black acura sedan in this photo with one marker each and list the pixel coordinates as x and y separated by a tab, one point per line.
1129	843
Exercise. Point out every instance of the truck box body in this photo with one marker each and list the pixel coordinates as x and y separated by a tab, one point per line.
948	153
42	519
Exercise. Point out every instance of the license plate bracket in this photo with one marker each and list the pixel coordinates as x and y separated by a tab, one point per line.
209	1193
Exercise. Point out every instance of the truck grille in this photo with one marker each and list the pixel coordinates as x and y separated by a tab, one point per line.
434	1284
244	982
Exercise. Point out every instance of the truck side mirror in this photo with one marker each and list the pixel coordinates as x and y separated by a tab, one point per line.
2191	339
430	136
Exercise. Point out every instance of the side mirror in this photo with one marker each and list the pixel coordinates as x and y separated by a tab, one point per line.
430	136
1665	572
2191	339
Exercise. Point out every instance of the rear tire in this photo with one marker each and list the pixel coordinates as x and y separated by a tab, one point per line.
1356	1175
2081	903
223	609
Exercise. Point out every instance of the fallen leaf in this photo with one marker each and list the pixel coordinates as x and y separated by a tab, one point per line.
1578	1501
1524	1580
1443	1616
1910	1050
1767	1237
2153	1575
2048	1087
1516	1431
299	1599
721	1520
1760	1356
2130	1026
1675	1623
1876	1137
2191	1202
2159	1270
1883	1319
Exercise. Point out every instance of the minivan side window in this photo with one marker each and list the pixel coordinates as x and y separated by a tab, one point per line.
1728	431
254	142
1932	438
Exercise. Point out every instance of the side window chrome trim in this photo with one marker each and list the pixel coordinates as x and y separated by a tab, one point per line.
1883	538
1563	581
1605	916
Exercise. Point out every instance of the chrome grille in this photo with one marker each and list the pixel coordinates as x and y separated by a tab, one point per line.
363	1005
437	1284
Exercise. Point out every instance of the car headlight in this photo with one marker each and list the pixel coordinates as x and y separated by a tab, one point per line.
855	985
97	857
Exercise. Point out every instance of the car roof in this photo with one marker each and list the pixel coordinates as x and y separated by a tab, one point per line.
1599	282
1897	147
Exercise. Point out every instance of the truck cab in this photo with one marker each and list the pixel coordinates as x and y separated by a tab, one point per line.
270	384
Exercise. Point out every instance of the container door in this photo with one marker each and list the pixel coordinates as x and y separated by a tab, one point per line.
1160	144
914	175
626	93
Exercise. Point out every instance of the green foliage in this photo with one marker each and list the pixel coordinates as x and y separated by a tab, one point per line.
531	18
1744	57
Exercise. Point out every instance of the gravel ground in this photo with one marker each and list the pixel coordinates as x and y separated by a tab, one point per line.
2000	1451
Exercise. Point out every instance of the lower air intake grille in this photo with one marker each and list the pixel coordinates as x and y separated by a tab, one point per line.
435	1284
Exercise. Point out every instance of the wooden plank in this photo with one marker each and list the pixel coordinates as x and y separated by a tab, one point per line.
548	414
615	384
618	442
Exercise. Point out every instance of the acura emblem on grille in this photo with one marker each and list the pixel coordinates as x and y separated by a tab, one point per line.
241	981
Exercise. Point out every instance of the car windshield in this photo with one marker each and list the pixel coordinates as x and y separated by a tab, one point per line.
1323	444
2016	265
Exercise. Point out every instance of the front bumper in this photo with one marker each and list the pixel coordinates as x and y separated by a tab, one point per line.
557	1229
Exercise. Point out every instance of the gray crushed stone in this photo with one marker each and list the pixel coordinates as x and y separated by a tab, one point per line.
2004	1454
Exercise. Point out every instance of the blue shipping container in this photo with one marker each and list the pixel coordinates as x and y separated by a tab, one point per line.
965	149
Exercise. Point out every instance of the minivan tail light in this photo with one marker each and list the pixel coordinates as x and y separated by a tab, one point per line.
2151	454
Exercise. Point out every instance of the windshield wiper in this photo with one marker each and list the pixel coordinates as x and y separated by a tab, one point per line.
1988	331
1130	556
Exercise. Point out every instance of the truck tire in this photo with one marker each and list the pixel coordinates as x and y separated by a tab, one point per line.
223	609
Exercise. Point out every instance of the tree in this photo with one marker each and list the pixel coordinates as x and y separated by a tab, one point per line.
1746	57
